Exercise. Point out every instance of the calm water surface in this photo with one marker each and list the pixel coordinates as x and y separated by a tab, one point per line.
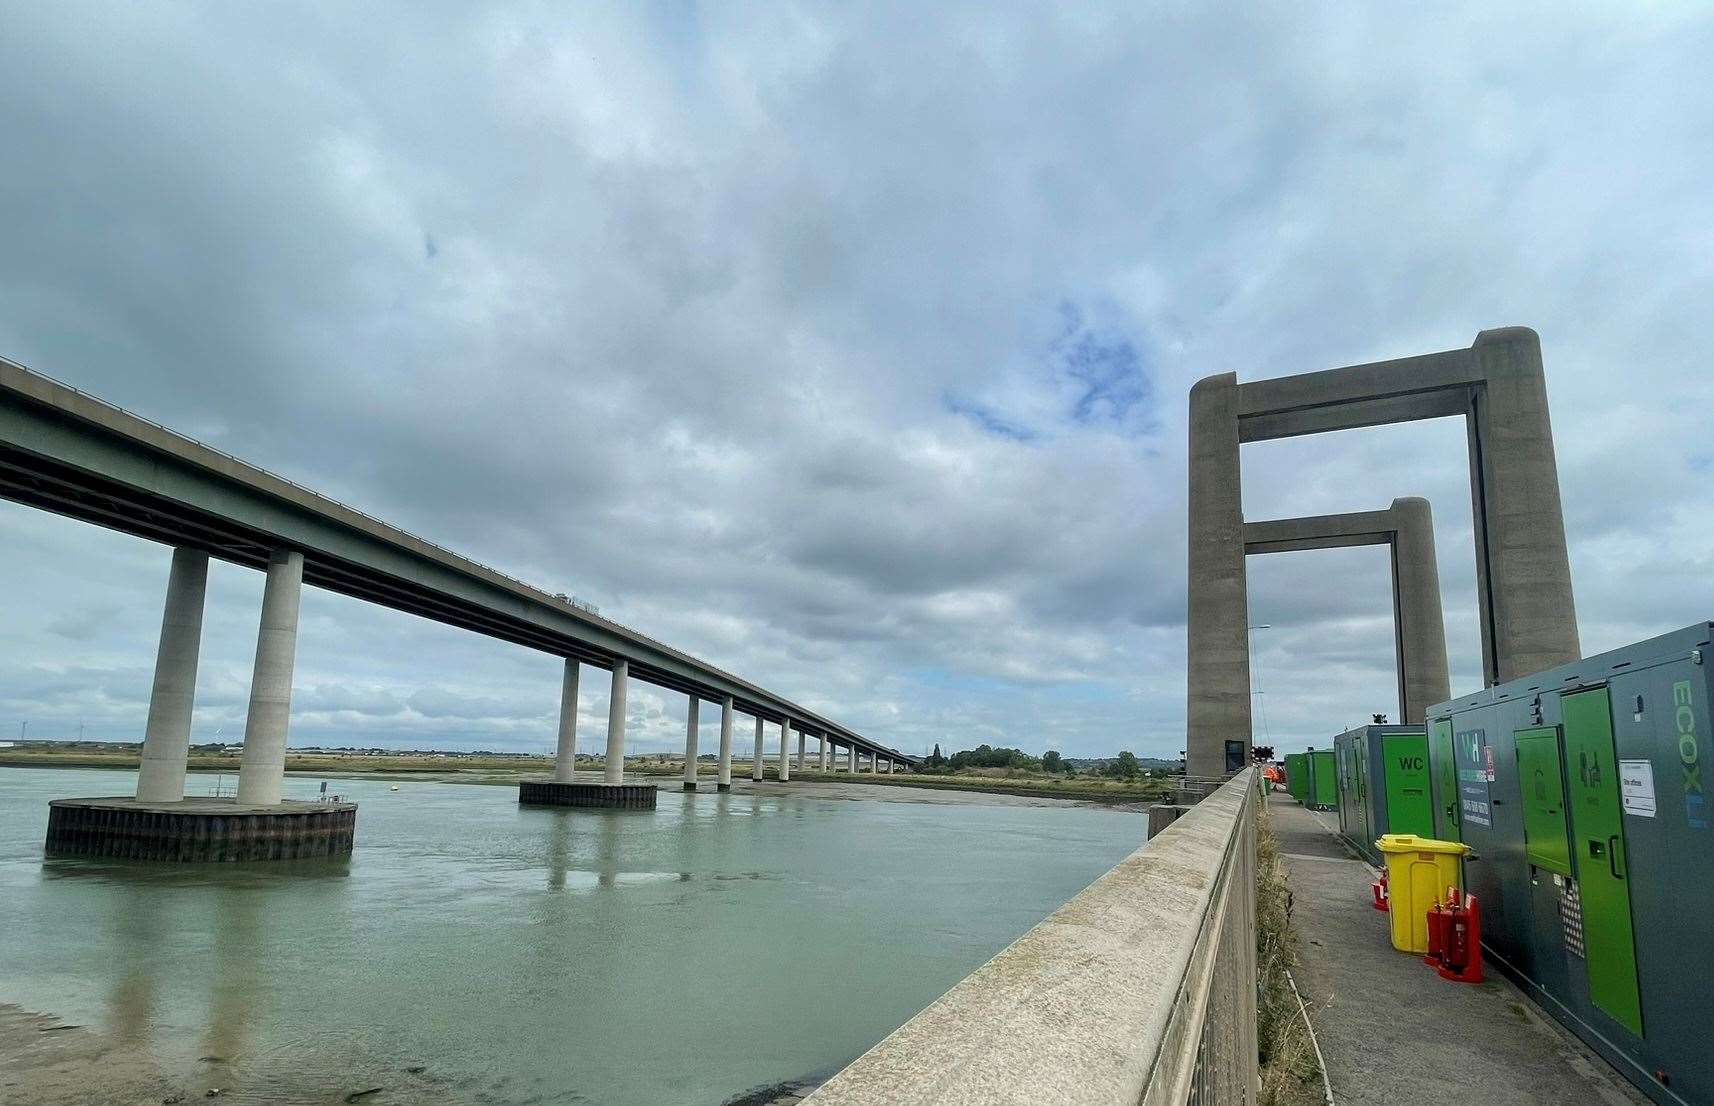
525	955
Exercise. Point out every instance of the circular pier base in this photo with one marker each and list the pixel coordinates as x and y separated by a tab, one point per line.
199	830
611	796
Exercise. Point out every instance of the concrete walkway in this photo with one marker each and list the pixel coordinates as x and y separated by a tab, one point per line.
1391	1030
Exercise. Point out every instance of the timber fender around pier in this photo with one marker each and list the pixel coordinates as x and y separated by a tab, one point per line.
199	830
612	796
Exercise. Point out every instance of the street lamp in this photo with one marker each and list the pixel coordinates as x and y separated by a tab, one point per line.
1256	682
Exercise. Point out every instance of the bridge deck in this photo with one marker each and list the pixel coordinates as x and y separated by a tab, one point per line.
1391	1031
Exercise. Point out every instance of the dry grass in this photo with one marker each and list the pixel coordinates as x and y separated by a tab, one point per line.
1290	1074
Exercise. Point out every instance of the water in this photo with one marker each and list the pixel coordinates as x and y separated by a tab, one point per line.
724	942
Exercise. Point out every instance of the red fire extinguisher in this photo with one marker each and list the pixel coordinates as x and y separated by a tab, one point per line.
1379	890
1460	953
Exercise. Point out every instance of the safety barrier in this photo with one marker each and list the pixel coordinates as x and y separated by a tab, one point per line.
1142	989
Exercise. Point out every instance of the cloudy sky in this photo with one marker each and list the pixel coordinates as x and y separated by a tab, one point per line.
844	346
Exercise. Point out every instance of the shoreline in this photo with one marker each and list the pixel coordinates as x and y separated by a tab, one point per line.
842	785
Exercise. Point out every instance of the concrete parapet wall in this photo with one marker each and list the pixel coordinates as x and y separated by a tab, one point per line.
1142	989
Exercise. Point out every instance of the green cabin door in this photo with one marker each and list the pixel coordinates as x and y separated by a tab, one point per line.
1445	781
1409	808
1543	788
1598	841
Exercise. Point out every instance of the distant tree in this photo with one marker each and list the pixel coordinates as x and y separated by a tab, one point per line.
1051	761
935	760
1124	766
987	756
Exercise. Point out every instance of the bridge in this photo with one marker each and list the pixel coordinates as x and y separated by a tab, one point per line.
65	451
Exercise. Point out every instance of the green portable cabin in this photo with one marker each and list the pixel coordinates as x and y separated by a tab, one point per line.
1582	792
1297	776
1383	777
1323	780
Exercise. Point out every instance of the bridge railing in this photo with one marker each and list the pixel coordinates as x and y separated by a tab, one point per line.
1142	989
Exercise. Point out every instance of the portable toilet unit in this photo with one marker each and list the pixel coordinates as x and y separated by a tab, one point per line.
1383	778
1297	776
1582	791
1323	780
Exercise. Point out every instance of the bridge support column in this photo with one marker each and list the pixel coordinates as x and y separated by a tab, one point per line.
262	771
723	769
565	756
785	750
801	738
756	766
613	770
160	823
612	792
690	736
166	738
851	759
821	758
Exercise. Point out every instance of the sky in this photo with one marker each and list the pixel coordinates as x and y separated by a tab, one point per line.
844	346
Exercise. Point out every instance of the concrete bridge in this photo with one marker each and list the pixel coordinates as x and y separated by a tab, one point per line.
66	451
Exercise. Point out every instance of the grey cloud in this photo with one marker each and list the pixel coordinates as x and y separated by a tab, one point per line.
732	328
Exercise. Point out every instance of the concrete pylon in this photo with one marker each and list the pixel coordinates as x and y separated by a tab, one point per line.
1523	571
851	759
690	736
1407	528
756	765
565	754
613	771
785	749
1217	652
1529	618
801	736
262	770
166	737
1419	621
723	769
821	755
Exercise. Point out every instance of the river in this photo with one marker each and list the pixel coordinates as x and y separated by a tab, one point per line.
523	955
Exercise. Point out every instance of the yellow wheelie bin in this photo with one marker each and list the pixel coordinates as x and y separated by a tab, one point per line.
1419	870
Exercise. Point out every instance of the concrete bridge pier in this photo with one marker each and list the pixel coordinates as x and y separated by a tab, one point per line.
756	760
723	771
565	755
785	753
159	823
262	771
690	736
821	759
801	737
166	737
612	792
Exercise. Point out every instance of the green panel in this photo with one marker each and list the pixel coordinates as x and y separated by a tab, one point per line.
1297	776
1543	786
1445	769
1598	843
1325	777
1409	809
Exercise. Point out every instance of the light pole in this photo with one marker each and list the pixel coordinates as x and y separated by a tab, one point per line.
1256	681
